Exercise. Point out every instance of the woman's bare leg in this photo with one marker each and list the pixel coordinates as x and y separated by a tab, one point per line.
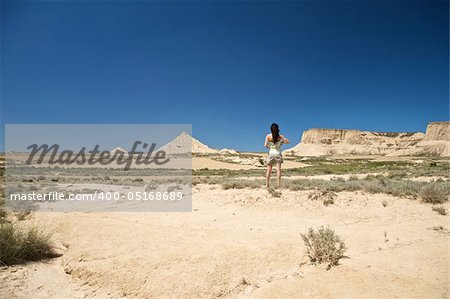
278	175
269	171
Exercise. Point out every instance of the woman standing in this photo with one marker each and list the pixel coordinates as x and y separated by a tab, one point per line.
273	142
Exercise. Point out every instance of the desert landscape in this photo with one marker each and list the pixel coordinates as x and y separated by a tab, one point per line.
385	195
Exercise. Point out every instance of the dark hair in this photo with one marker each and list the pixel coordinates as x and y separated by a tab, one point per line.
275	132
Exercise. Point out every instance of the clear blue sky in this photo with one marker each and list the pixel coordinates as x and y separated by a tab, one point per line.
229	68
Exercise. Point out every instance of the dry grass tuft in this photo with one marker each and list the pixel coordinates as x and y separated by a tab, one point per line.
20	244
325	195
324	246
274	193
440	210
434	193
240	184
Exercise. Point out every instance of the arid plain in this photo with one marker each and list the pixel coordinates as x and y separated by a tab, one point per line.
244	241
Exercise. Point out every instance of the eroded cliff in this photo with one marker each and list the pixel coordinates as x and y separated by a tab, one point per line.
317	142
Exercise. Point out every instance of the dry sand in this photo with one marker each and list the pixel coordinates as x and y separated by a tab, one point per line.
242	244
208	162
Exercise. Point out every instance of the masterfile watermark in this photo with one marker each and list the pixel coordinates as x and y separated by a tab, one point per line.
95	156
100	196
86	168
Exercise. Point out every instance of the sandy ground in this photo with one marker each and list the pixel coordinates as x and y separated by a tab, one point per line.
242	244
207	162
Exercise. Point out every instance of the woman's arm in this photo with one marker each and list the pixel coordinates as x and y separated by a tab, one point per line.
285	140
266	141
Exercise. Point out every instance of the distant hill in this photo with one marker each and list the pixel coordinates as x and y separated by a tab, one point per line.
118	149
185	143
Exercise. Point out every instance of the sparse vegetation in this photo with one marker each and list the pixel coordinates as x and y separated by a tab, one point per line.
274	193
150	187
434	193
325	165
353	178
322	194
437	193
3	214
323	246
19	244
327	202
438	228
440	210
240	184
22	215
174	188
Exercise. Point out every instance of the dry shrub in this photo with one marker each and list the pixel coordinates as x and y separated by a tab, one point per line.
323	246
274	193
440	210
3	214
22	244
22	215
325	195
327	202
240	184
150	187
434	193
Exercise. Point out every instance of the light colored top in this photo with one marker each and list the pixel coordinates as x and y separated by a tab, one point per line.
275	147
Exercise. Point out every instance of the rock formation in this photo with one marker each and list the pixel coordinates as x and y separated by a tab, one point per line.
318	142
226	151
435	143
438	131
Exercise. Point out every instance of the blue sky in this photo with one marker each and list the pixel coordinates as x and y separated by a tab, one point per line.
229	68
